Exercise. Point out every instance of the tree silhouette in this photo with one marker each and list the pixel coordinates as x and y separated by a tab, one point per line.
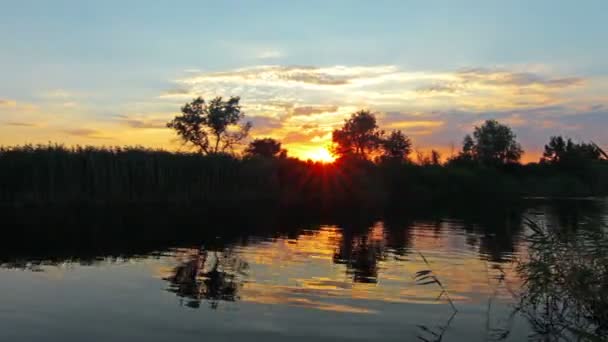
397	146
565	151
492	144
358	137
213	127
265	147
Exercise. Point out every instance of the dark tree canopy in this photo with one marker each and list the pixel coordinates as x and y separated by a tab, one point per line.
560	151
492	144
396	146
264	147
211	127
359	136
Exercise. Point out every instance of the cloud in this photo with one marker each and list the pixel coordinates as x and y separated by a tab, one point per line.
296	137
309	126
305	137
439	88
414	124
306	110
270	54
525	88
7	103
85	133
289	75
176	92
510	78
264	124
597	107
21	124
58	94
384	87
145	123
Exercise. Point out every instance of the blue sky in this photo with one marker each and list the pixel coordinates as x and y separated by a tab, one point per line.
87	71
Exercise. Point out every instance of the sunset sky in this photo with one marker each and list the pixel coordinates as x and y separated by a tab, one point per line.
114	72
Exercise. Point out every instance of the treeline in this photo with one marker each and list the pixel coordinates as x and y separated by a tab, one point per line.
373	168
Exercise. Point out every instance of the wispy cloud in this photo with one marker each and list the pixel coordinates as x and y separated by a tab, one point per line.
85	133
60	94
145	123
263	125
510	78
290	75
270	54
306	110
7	103
21	124
477	80
381	86
177	92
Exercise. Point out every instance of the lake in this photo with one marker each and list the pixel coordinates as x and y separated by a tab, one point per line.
483	275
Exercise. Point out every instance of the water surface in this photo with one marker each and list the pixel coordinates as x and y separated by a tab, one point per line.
333	280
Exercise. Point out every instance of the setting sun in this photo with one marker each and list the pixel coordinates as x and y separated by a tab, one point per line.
321	155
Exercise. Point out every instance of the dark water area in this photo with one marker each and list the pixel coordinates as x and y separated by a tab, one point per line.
533	271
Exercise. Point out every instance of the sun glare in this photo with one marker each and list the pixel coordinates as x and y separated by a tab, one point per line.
321	155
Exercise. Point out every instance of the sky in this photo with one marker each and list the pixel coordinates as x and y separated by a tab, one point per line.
114	72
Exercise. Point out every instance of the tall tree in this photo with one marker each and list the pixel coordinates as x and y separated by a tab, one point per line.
212	128
264	147
396	146
492	144
359	136
560	150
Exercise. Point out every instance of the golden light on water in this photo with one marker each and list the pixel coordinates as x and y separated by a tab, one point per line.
319	266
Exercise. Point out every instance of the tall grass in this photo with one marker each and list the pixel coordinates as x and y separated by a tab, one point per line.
566	289
55	174
427	277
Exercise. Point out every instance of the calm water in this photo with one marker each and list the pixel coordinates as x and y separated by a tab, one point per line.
334	281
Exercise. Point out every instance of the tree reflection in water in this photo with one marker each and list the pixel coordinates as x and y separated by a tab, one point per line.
360	250
565	294
208	276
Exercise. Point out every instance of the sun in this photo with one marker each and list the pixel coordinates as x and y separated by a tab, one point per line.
321	154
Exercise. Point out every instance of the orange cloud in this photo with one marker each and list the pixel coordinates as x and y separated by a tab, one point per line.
414	124
314	110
